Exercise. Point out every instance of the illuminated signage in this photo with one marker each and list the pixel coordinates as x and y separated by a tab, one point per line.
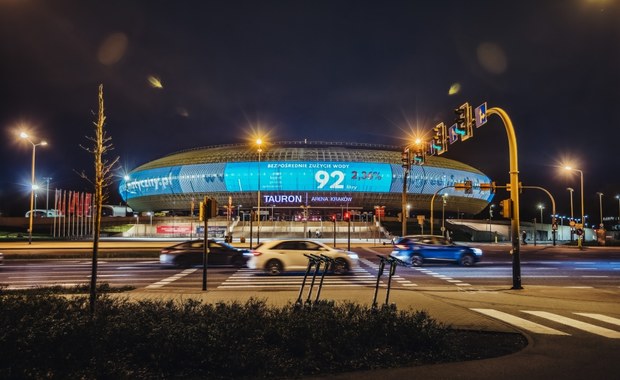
308	176
299	182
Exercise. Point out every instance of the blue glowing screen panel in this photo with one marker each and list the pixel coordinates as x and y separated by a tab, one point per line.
282	177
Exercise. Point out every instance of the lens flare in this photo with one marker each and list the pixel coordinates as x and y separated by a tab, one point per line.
155	82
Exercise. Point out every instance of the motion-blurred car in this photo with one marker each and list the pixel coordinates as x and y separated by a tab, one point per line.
418	249
190	253
278	256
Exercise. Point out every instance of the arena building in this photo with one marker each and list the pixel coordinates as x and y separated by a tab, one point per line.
293	178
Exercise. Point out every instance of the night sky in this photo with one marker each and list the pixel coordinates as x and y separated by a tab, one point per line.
362	71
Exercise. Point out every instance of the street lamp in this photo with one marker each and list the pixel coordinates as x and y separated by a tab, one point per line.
259	143
600	204
541	207
569	168
126	178
47	193
570	189
26	137
443	213
572	219
618	198
491	207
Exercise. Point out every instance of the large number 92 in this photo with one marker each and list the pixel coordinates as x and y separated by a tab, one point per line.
322	177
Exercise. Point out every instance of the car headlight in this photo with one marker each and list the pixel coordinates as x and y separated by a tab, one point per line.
477	251
353	255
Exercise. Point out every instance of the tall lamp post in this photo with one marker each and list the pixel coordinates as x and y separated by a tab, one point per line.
618	198
259	143
572	217
47	193
26	137
126	178
541	207
443	213
580	238
600	205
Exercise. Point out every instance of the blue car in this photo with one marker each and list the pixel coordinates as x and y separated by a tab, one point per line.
418	249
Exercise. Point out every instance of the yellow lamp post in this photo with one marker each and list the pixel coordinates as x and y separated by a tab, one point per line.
26	137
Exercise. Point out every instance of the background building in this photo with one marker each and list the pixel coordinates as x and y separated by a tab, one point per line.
320	178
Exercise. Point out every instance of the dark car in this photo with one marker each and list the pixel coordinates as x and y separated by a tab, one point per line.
190	253
418	249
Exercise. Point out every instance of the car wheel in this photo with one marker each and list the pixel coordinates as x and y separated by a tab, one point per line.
340	266
467	260
273	267
416	260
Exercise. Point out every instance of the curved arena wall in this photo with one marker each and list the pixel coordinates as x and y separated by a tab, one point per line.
293	176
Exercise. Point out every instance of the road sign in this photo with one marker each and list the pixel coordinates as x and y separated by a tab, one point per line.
481	114
572	223
579	231
453	134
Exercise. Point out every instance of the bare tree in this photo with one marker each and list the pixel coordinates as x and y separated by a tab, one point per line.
102	144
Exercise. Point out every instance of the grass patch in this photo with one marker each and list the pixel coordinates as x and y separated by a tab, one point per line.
54	337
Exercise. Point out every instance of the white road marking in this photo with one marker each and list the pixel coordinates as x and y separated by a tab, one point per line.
602	331
520	322
601	317
170	279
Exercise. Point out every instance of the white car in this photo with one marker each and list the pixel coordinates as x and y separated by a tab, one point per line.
275	257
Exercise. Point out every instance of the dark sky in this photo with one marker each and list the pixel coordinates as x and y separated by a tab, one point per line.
363	71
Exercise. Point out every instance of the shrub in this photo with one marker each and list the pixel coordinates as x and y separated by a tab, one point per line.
44	335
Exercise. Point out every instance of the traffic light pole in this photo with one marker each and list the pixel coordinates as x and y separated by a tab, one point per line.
433	205
514	194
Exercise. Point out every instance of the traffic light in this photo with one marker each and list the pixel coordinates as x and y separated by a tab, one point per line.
406	158
439	144
419	156
464	121
334	218
506	208
208	209
347	215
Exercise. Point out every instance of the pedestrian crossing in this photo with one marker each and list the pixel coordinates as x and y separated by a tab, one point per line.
252	279
538	324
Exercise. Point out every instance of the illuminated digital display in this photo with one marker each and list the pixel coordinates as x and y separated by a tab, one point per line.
288	180
309	176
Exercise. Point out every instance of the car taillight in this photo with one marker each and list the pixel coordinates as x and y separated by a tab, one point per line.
256	253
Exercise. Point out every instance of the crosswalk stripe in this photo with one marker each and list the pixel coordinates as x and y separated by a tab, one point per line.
602	331
601	317
519	322
170	279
